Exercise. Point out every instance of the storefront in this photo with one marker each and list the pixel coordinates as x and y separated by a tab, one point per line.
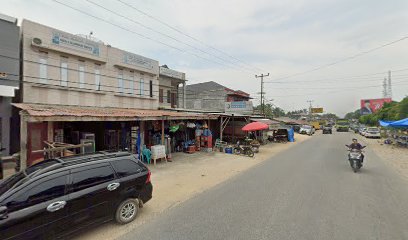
73	130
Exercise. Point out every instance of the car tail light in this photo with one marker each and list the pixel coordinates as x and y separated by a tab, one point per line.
148	176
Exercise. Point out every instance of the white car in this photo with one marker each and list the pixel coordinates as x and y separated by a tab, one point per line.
306	129
372	132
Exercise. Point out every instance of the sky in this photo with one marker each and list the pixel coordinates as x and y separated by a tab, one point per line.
333	53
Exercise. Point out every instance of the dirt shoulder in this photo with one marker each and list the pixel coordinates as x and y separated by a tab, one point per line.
397	157
185	177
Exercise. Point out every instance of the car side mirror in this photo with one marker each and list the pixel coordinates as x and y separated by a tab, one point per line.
3	212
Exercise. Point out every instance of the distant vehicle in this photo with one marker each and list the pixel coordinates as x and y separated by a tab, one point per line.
296	128
315	124
327	130
306	129
361	130
57	197
372	132
342	125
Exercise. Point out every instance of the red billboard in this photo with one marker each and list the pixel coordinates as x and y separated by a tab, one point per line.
369	106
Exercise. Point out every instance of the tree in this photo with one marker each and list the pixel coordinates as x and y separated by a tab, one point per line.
389	112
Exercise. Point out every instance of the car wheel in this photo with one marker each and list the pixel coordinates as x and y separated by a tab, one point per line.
127	211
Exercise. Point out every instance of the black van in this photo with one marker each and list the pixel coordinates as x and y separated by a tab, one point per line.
58	197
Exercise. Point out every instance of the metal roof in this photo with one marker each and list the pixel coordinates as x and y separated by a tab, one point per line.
42	110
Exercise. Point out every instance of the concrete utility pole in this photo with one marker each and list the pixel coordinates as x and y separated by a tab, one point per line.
310	109
262	93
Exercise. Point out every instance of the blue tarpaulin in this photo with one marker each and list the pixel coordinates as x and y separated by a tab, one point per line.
291	135
403	123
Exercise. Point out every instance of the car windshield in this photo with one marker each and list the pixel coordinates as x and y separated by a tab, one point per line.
373	130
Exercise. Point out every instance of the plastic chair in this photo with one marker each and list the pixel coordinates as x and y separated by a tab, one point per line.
147	155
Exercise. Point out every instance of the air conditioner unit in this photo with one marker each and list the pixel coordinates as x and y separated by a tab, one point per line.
36	42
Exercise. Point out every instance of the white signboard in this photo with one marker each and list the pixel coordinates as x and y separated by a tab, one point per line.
171	73
137	60
75	42
244	107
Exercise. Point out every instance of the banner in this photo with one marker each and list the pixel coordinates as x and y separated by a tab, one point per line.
368	106
317	110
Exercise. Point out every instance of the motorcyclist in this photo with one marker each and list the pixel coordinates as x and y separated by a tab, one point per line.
356	145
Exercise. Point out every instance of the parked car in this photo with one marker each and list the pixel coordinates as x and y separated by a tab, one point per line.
57	197
327	130
362	131
372	132
306	129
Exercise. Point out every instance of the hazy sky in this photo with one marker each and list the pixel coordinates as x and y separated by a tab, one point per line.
234	40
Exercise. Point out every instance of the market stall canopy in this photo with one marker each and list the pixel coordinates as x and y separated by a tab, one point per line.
255	126
403	123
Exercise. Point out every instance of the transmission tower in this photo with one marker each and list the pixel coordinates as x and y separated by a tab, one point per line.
389	85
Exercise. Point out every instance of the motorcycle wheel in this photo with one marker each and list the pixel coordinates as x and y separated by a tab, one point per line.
250	153
237	151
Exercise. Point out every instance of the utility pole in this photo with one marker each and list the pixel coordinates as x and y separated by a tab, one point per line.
310	109
389	85
262	93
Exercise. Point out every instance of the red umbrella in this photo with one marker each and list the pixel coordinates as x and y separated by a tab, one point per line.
255	126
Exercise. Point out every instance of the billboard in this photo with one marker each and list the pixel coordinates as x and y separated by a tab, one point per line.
316	110
368	106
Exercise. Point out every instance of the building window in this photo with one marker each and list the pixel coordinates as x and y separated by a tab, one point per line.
120	82
168	96
132	83
81	76
97	79
151	88
43	70
64	74
141	87
161	95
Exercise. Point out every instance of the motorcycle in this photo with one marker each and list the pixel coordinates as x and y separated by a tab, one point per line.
355	158
243	149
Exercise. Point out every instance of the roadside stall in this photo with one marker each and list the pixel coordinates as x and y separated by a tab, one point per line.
255	127
399	135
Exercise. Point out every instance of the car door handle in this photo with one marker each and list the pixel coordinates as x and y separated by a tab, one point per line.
113	186
55	206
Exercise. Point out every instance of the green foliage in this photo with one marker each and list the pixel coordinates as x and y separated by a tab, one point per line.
389	112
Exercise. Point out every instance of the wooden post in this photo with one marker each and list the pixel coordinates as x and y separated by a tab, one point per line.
221	128
162	132
23	142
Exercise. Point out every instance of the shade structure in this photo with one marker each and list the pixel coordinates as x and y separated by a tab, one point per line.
403	123
255	126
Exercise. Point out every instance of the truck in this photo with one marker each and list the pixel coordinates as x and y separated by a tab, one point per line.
342	125
315	124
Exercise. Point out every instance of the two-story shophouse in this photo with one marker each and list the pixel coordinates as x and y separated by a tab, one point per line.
172	86
78	90
9	78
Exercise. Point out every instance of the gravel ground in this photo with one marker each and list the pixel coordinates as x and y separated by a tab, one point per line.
184	178
397	157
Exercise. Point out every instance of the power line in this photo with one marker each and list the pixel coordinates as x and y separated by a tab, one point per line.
158	32
141	35
344	59
350	78
187	35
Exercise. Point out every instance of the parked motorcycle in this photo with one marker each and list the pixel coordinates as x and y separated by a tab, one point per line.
355	157
243	149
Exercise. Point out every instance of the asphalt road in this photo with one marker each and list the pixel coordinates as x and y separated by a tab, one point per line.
308	192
